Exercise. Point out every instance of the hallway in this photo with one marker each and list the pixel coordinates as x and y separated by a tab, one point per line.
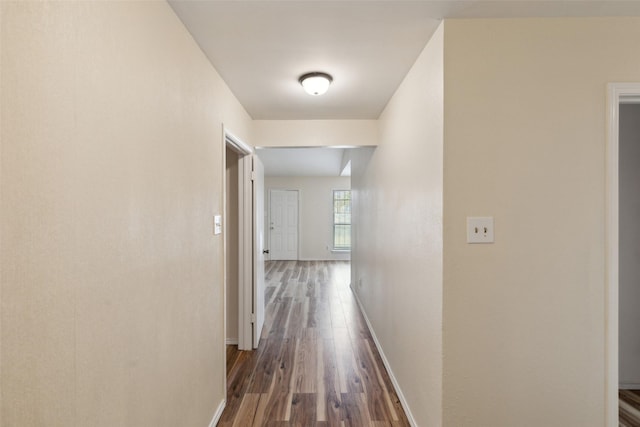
317	363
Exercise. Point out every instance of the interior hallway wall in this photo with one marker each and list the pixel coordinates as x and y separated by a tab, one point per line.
315	212
111	171
629	258
525	142
397	256
315	133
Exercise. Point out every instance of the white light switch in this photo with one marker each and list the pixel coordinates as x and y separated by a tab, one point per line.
217	224
479	229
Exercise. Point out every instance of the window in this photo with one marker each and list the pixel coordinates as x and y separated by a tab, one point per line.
342	220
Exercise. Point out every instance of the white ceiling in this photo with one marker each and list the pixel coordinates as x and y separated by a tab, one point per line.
303	161
260	48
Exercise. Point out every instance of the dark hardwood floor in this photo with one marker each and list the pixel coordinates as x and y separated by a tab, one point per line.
317	364
629	408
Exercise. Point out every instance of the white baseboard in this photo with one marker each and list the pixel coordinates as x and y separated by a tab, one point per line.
336	258
218	414
231	341
396	386
629	386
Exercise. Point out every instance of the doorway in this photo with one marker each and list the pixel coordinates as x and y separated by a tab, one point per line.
283	225
244	244
629	244
619	94
313	175
231	249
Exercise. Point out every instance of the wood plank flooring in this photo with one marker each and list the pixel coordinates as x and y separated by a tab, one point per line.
317	364
629	408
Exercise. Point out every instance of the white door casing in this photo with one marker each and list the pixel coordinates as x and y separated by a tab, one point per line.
258	249
250	244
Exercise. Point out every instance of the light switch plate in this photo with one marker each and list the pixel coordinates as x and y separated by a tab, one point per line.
217	224
480	229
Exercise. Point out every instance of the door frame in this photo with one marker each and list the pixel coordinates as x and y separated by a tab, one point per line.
245	239
616	94
258	309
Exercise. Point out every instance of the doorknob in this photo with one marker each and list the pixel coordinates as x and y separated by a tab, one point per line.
266	251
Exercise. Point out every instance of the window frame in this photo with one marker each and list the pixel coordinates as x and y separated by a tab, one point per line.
335	248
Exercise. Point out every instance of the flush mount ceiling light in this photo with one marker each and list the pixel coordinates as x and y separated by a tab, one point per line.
315	83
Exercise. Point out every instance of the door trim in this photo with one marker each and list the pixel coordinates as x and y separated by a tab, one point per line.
245	242
257	266
616	93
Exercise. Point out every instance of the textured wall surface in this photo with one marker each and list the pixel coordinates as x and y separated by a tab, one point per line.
525	134
315	133
111	172
397	257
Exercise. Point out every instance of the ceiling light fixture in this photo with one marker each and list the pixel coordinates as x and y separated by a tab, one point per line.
315	83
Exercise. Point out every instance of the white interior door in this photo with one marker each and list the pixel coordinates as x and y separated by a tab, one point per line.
258	249
283	224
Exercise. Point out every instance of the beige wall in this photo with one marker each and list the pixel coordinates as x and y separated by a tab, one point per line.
315	212
315	133
524	318
397	257
111	172
232	230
